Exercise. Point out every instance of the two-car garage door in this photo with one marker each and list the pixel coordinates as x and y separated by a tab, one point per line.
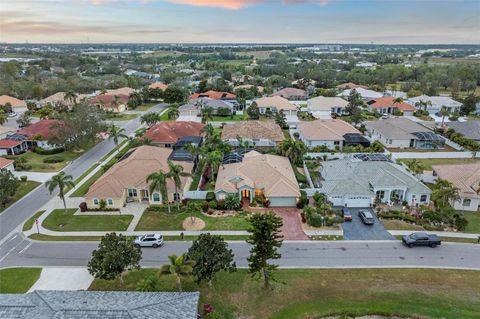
351	201
283	201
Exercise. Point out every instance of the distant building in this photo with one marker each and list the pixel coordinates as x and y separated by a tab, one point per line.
166	134
366	95
292	94
433	104
114	103
256	133
390	105
322	107
469	129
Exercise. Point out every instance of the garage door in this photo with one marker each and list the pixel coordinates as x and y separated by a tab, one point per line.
283	201
358	201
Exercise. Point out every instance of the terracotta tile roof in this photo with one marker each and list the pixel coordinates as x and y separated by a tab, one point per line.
389	101
107	99
42	127
465	177
214	95
253	130
170	132
275	101
9	143
158	85
272	173
351	85
60	97
325	130
4	99
133	171
125	91
5	162
290	93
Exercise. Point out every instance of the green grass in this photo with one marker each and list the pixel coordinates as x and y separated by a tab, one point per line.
23	189
58	220
164	116
394	224
234	118
29	223
146	106
429	162
317	293
196	179
18	280
43	237
83	189
473	222
300	177
152	219
121	117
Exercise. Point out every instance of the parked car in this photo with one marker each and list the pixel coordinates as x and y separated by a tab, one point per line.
347	214
421	239
150	240
366	217
385	116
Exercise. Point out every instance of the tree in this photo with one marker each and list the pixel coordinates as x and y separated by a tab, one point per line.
210	255
253	112
173	113
292	149
115	132
212	161
265	239
147	284
415	166
443	112
353	107
158	183
469	104
8	186
24	120
281	119
3	117
114	255
46	112
174	94
207	114
175	172
232	202
60	181
444	193
179	267
7	108
70	96
150	118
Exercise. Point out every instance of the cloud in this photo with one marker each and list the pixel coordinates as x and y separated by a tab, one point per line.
239	4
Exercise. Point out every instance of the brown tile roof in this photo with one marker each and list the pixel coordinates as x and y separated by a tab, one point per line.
170	132
133	171
465	177
9	143
14	102
252	130
107	99
125	91
290	93
326	129
389	101
272	173
214	95
275	101
351	85
42	127
158	85
60	97
5	162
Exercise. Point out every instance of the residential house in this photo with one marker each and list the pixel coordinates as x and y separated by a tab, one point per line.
390	105
14	102
257	175
5	130
100	304
158	85
433	104
400	132
292	94
350	85
121	91
126	181
226	96
255	133
12	147
357	183
6	164
59	98
215	105
332	133
275	104
108	102
166	134
37	134
323	107
469	129
466	178
260	89
366	95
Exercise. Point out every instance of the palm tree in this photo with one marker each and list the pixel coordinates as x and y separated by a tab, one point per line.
292	149
444	112
3	117
208	130
415	166
116	132
173	113
212	160
158	183
444	192
179	267
150	118
70	96
60	181
175	172
116	102
207	114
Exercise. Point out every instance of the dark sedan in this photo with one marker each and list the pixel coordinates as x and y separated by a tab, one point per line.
366	217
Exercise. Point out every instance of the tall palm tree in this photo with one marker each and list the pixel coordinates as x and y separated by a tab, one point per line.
444	112
150	118
415	166
179	266
444	193
70	96
3	117
60	181
116	132
208	130
207	114
292	149
175	172
212	160
173	113
158	183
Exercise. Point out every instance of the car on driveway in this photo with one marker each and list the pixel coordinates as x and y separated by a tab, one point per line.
149	240
347	214
421	239
366	217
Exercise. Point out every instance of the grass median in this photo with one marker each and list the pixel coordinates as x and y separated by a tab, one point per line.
23	189
18	280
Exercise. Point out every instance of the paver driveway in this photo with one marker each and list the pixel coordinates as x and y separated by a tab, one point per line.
292	225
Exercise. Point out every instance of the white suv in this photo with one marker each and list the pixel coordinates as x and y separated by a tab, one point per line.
150	240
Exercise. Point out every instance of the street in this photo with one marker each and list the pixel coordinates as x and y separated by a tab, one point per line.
16	214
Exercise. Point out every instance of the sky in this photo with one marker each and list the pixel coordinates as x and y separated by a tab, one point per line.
241	21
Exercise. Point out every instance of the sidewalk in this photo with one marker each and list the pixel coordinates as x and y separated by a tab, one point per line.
44	231
63	279
439	233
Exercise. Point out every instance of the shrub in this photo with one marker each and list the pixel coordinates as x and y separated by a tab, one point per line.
221	204
212	205
232	202
266	203
205	206
460	222
103	204
53	159
210	196
23	178
42	151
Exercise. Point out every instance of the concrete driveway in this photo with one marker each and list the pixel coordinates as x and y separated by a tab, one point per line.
357	230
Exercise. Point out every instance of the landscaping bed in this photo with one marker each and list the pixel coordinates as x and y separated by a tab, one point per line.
314	293
18	280
60	221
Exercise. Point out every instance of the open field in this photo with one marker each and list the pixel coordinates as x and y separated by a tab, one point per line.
315	293
58	220
18	280
23	189
429	162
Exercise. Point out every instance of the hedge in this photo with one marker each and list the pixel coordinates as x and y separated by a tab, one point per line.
42	151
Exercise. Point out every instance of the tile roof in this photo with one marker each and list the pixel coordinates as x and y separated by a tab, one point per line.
45	128
170	132
290	93
322	103
275	101
214	95
60	97
272	173
121	91
9	143
396	128
100	304
253	130
158	85
351	85
469	129
214	104
389	101
5	162
108	99
14	102
133	170
325	129
364	93
465	177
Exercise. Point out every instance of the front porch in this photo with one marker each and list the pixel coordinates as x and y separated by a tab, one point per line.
391	195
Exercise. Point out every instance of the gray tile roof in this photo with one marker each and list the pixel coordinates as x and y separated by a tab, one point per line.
99	304
469	129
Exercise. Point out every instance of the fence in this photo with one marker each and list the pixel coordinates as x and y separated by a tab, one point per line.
195	194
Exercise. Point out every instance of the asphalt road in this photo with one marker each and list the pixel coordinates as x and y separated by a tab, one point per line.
16	214
18	251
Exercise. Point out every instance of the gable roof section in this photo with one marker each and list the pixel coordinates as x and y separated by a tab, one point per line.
170	132
5	162
350	85
469	129
325	129
289	93
275	101
158	85
465	177
14	102
397	128
121	91
253	130
107	100
389	101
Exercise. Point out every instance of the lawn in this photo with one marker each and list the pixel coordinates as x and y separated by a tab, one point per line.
58	220
23	189
121	116
29	223
146	106
83	189
160	219
18	280
164	116
473	222
317	293
233	118
394	224
428	162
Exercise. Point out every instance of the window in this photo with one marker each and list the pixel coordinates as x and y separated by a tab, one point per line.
467	202
156	197
132	192
336	143
168	145
176	196
95	201
109	202
423	198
